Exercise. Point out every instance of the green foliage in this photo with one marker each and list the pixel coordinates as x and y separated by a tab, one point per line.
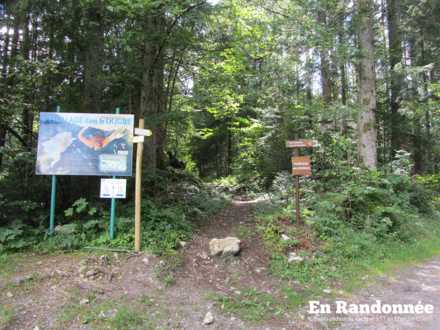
282	188
384	206
17	236
6	317
79	208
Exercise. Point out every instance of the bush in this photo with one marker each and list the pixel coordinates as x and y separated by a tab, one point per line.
373	202
167	218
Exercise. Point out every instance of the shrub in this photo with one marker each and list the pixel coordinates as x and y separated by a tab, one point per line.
373	202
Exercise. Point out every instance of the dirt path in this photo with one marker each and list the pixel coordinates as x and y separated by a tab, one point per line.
413	285
124	291
89	291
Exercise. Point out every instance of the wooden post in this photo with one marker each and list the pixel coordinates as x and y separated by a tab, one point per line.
297	207
298	211
138	191
301	166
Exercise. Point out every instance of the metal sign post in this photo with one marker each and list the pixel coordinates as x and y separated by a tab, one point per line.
113	207
53	197
301	166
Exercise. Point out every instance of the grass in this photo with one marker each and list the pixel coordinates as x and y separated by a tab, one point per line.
10	263
249	305
106	314
345	263
165	270
6	317
245	232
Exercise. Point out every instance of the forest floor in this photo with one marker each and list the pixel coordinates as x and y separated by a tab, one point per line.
127	291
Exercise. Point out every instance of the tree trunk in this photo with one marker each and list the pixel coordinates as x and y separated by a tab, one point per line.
27	115
395	56
94	59
325	65
153	103
367	89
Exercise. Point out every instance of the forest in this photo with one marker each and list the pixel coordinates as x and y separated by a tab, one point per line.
222	85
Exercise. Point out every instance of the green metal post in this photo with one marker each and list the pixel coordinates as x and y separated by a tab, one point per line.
113	208
53	197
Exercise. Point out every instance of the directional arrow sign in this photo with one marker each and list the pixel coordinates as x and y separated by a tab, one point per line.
303	143
142	132
138	139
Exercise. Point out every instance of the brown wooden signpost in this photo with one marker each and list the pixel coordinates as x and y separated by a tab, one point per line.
140	133
301	166
303	143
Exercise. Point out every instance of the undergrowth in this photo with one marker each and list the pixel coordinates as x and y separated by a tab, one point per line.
359	224
168	217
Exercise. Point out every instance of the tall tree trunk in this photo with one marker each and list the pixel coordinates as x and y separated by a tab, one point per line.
153	103
27	116
367	87
94	59
326	83
3	87
395	56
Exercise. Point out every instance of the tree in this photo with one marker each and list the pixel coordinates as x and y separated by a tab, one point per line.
367	86
395	58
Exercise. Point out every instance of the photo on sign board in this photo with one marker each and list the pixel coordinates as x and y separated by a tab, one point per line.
85	144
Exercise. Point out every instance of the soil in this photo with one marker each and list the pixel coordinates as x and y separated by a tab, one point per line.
42	287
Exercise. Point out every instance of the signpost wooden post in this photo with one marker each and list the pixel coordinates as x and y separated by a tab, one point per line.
301	166
138	188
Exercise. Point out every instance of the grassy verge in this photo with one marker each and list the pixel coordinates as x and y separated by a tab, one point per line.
331	266
347	262
107	314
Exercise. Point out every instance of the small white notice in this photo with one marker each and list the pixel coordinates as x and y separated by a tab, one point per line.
113	188
142	132
138	139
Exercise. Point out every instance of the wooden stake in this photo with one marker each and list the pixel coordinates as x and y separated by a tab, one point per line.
298	211
297	206
138	191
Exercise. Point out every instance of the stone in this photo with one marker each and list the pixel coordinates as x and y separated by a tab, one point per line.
208	319
293	257
182	244
328	291
9	294
284	237
226	246
91	272
82	269
108	314
21	279
146	261
104	260
259	269
84	301
61	273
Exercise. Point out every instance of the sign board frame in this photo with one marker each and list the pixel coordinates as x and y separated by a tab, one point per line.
82	143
